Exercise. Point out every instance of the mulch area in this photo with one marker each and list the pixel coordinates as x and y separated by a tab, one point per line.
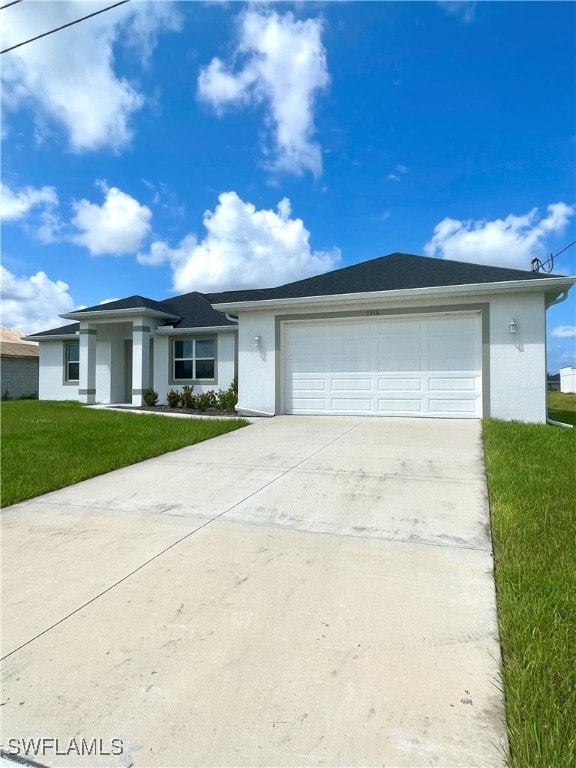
187	411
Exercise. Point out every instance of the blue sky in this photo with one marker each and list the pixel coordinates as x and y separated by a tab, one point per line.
165	147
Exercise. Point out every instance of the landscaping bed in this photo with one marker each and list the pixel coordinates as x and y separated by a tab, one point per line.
185	411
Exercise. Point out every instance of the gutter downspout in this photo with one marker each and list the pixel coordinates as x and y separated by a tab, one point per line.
559	423
559	299
251	412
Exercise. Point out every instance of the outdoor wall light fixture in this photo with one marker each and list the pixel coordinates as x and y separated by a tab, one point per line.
512	326
257	340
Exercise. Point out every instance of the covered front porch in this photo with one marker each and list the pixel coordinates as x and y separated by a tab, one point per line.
116	353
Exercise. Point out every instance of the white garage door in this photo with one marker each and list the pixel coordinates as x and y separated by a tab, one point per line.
415	366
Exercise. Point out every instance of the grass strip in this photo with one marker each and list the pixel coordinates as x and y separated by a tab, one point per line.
50	445
531	470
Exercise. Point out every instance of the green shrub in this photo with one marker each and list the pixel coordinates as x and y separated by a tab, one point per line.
226	399
187	399
150	397
173	398
206	400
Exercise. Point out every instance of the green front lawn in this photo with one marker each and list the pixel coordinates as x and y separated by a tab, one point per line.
562	407
531	473
50	445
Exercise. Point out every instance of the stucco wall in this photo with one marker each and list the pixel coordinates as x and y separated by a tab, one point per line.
225	366
19	376
257	364
517	362
51	375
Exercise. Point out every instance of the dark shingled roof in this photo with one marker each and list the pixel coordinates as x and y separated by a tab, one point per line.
64	330
130	302
195	311
398	271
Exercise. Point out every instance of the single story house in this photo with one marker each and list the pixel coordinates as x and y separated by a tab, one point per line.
19	365
400	335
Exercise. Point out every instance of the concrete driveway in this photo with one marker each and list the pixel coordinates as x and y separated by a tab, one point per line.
302	592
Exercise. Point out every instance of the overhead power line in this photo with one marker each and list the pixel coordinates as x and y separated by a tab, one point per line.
538	265
57	29
14	2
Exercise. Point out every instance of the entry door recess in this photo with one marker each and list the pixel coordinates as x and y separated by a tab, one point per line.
429	365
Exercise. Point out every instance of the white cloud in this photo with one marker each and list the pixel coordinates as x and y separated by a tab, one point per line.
510	242
243	248
564	332
118	226
69	76
16	205
33	303
400	169
465	9
285	68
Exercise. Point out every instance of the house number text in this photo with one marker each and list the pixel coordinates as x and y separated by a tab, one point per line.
372	312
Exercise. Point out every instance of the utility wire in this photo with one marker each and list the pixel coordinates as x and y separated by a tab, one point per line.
70	24
538	265
14	2
563	249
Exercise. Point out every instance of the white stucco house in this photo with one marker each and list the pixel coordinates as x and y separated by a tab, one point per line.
400	335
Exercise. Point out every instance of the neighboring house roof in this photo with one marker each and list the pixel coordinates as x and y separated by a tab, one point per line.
12	344
14	349
396	272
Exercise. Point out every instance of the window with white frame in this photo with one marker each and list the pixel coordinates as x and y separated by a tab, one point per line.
194	359
72	361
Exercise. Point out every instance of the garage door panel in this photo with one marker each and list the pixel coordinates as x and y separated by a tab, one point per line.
453	406
398	346
452	325
309	405
458	345
400	385
351	365
351	404
309	385
400	364
451	363
348	331
396	406
352	384
415	367
452	384
399	328
344	348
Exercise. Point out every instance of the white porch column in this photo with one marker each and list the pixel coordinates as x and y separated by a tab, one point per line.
87	382
140	360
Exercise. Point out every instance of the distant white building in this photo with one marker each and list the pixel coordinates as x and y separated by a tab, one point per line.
568	379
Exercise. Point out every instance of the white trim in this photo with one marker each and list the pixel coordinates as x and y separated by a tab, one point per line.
56	337
103	314
169	330
551	284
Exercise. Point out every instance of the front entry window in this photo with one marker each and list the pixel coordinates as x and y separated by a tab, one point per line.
194	359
